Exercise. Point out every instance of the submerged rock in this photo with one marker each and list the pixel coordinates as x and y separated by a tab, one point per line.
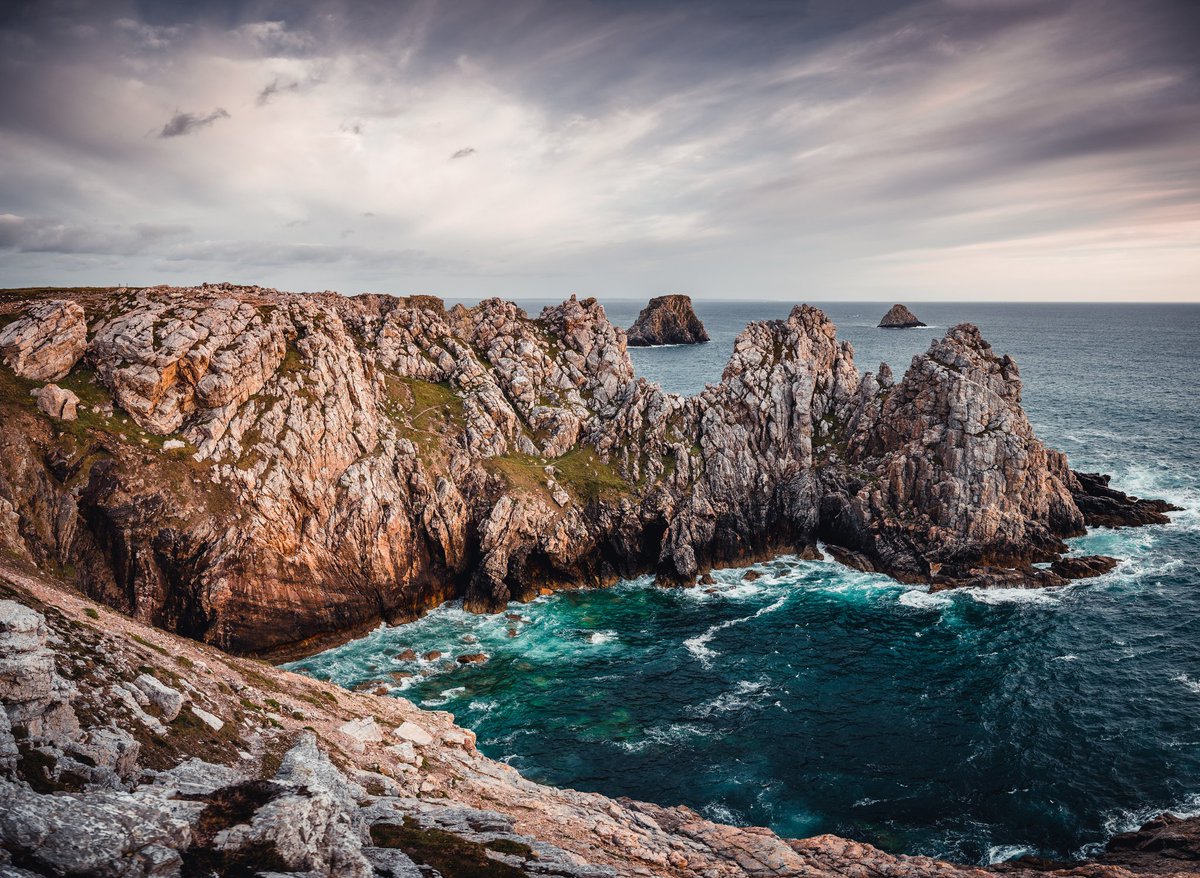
899	317
667	320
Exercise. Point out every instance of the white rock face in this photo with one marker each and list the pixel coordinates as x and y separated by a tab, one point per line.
58	402
414	734
46	342
168	701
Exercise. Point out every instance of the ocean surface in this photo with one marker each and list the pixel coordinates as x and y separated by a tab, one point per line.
973	726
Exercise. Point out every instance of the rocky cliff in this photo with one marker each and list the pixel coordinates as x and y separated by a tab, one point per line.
899	317
127	752
667	320
267	471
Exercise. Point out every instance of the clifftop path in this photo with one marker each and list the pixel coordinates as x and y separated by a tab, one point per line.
269	472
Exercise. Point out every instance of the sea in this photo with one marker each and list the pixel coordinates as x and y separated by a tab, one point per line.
974	726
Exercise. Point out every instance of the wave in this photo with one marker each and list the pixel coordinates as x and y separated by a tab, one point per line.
698	645
1118	822
1188	682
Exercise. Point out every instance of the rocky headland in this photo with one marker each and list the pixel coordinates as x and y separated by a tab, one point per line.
899	317
271	472
128	752
667	320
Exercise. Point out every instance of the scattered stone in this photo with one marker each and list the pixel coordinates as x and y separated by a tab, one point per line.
168	701
213	722
432	656
471	658
407	655
172	444
410	731
362	731
58	403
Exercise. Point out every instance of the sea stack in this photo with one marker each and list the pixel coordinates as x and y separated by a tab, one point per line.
899	317
667	320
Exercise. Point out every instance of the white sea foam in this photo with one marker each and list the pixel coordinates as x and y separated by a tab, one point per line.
698	645
1000	853
1117	822
1188	682
599	637
922	600
1065	658
445	696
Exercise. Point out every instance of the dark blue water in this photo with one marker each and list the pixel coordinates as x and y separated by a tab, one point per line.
973	726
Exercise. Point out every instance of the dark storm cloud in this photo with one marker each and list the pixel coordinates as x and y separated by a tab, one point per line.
187	123
463	153
275	88
50	236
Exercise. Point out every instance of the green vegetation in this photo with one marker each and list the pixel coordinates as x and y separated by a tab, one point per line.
580	471
91	613
450	855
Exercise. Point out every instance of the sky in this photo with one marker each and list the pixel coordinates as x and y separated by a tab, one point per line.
824	150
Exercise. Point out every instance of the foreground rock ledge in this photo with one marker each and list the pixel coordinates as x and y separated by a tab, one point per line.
129	752
272	472
667	320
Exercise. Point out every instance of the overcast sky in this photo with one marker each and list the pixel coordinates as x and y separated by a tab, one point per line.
857	149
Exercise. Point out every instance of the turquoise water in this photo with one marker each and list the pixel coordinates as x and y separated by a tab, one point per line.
974	726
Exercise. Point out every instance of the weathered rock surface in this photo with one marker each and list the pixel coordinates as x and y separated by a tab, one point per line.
347	459
1103	506
667	320
262	796
46	342
58	403
899	317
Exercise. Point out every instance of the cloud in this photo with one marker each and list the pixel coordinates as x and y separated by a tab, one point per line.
186	123
39	235
869	147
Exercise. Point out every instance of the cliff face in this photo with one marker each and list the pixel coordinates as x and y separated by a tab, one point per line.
262	470
667	320
128	752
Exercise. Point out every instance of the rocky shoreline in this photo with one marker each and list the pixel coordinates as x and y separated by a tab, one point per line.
272	472
128	752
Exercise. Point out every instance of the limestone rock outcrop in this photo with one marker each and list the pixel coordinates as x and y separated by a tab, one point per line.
270	472
899	317
45	342
667	320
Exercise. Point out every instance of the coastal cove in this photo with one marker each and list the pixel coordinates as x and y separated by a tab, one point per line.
971	725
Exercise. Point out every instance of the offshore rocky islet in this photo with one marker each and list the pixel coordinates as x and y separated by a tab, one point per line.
351	459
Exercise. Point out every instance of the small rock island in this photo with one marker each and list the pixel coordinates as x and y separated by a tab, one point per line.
667	320
899	317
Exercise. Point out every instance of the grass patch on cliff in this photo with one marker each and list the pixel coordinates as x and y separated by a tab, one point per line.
580	471
426	412
450	855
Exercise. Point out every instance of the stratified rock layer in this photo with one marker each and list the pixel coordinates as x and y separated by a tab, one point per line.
46	342
899	317
268	471
667	320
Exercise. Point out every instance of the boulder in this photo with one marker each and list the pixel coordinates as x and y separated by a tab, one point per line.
667	320
410	731
58	402
46	342
899	317
168	701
